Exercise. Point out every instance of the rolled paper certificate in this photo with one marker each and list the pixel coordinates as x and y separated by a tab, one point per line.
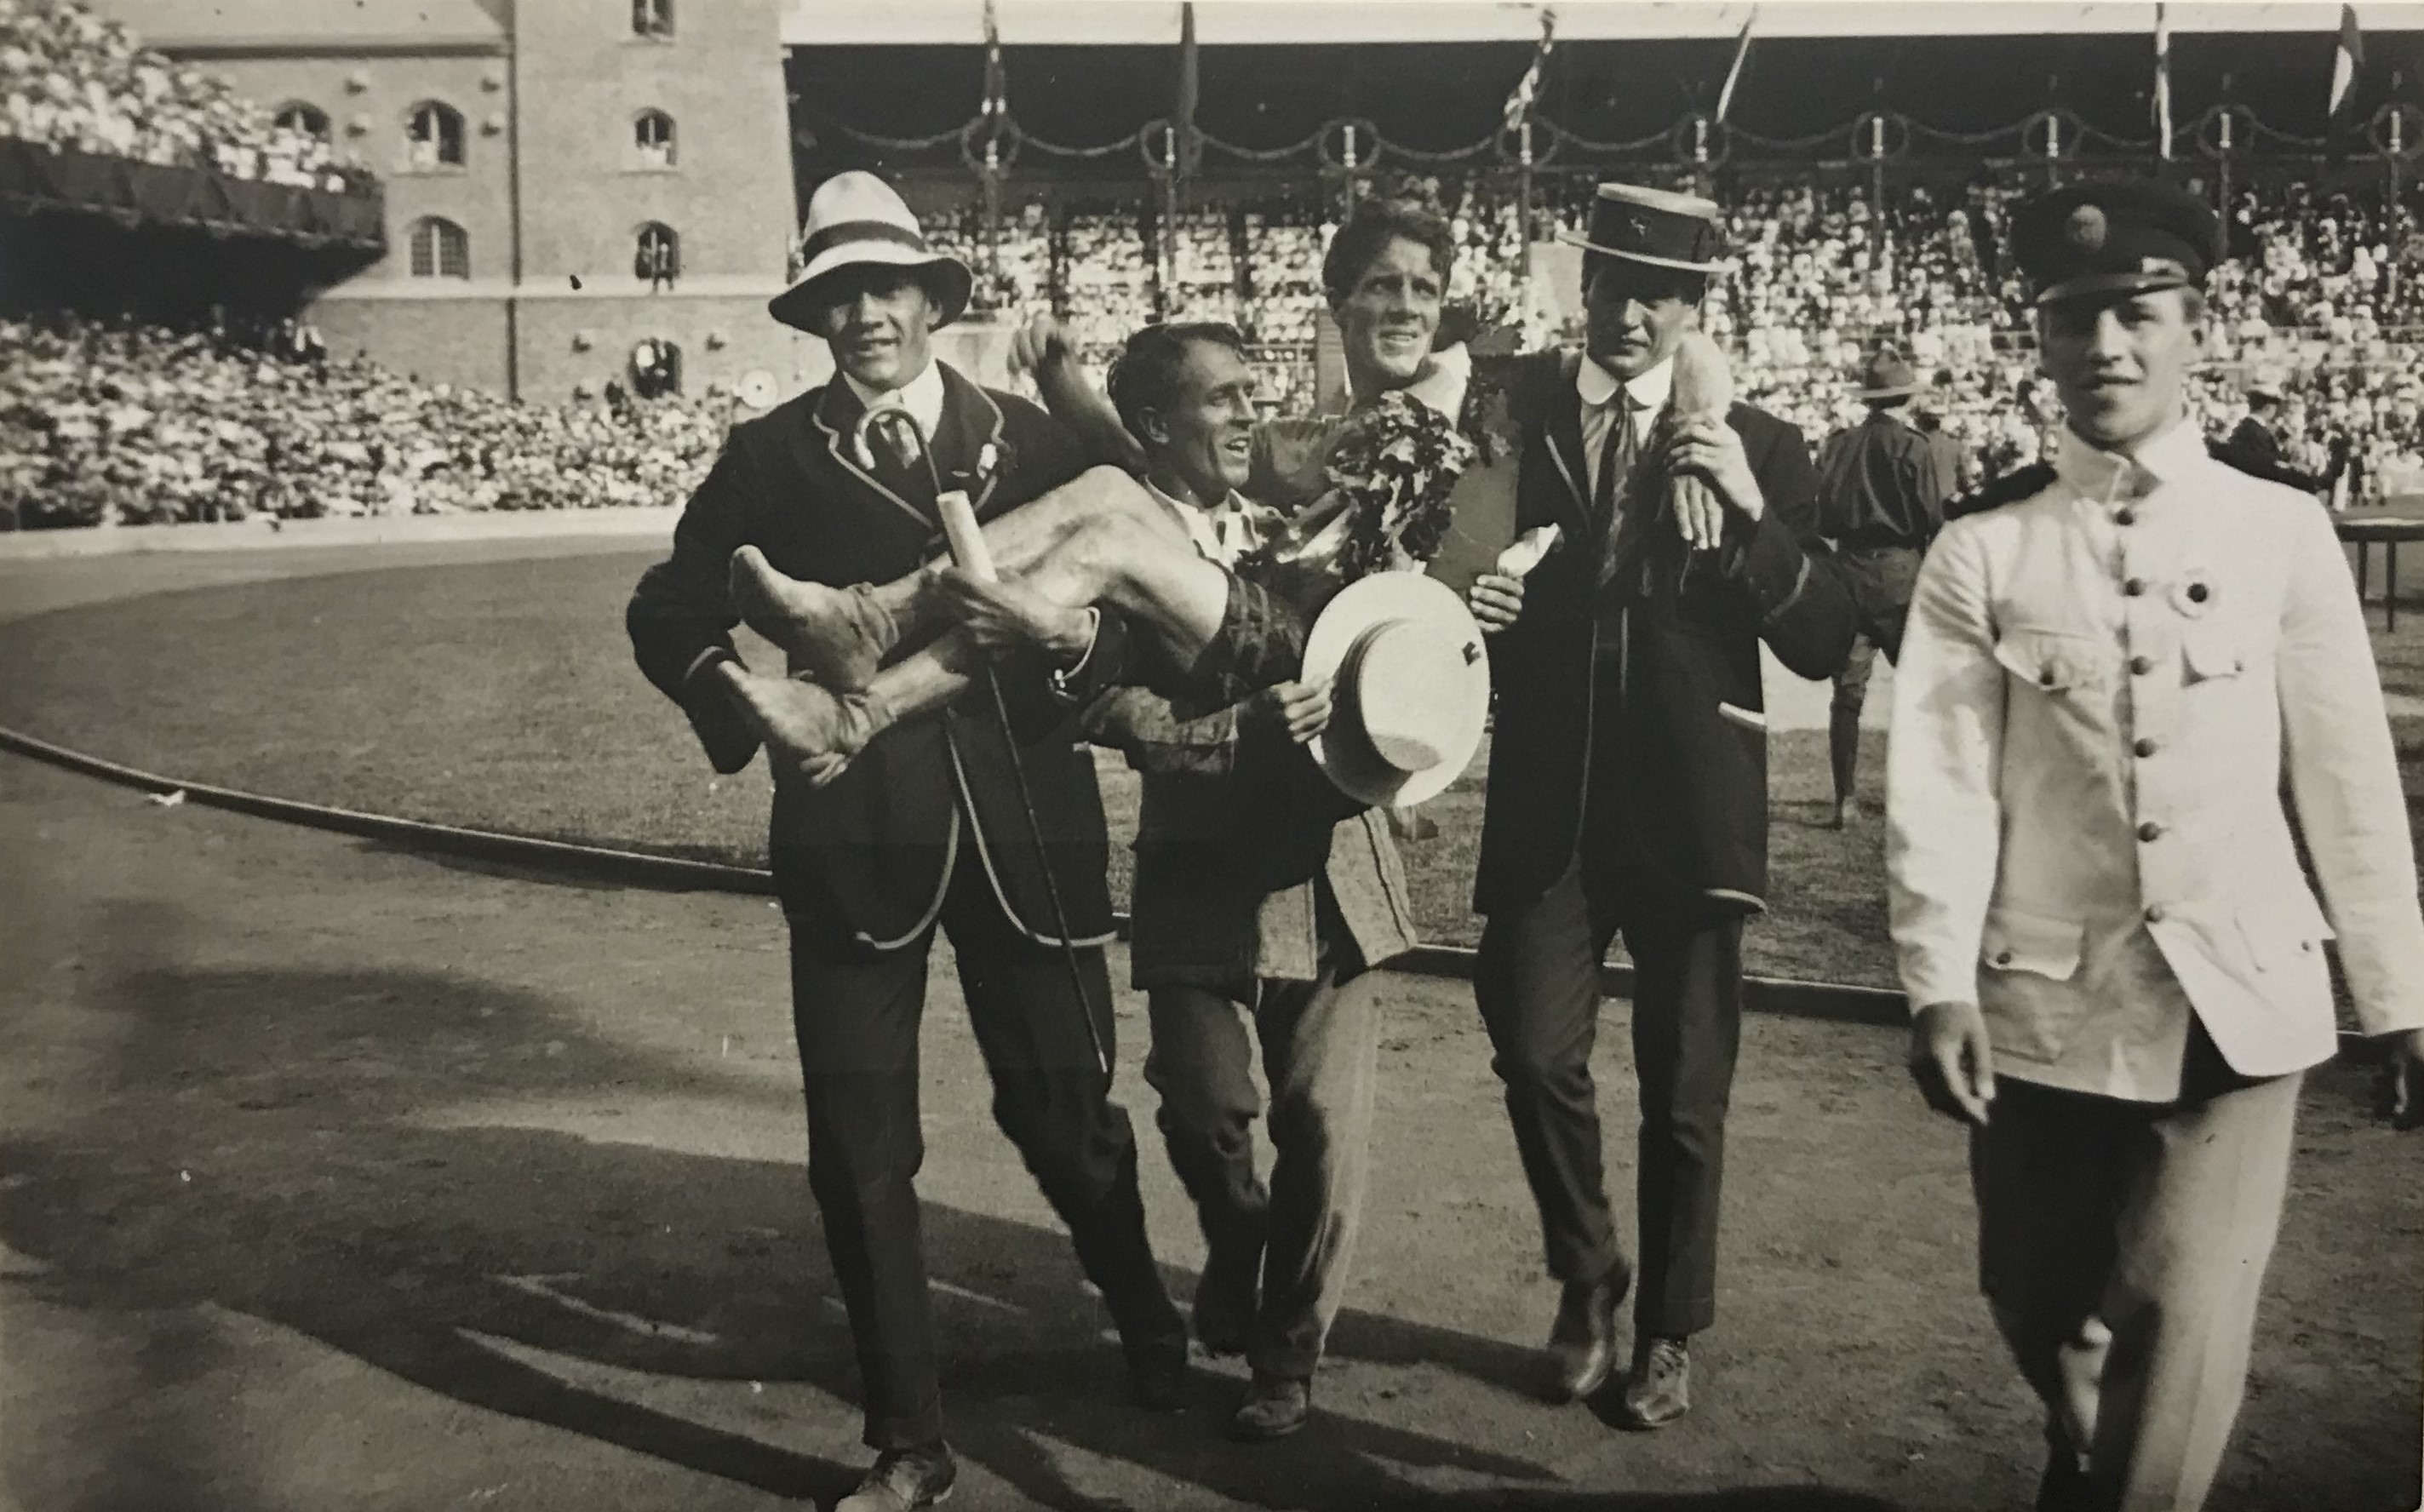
968	539
1529	550
1704	389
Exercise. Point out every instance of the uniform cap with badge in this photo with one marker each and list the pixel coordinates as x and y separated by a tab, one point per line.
2114	237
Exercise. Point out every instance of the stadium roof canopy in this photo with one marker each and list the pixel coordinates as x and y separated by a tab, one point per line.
902	104
1079	23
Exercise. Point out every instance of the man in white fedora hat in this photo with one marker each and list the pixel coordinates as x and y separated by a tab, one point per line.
926	830
1628	778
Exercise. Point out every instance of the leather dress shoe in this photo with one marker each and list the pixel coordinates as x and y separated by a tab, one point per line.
1157	1369
1582	1342
904	1480
1275	1406
1660	1388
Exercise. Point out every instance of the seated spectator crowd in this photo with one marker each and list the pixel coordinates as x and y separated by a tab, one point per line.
134	425
71	80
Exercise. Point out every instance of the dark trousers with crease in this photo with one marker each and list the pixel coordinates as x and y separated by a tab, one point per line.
1537	983
856	1013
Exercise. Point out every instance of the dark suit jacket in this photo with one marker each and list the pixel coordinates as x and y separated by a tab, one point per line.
872	852
2253	449
1646	690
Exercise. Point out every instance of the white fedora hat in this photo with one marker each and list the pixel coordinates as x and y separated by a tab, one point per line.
856	219
1410	688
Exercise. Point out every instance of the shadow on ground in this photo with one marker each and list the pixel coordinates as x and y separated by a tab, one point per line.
263	1140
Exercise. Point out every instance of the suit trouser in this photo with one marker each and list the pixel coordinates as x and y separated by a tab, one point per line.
1319	1043
1537	980
855	1011
2122	1246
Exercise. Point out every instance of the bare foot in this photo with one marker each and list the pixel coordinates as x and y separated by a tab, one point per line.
811	731
838	636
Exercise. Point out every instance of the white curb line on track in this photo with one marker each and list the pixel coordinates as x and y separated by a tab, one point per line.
645	523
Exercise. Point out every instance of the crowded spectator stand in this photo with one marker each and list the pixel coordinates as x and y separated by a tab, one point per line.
1881	223
91	121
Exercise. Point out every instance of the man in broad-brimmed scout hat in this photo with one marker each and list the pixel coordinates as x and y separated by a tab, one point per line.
1882	486
926	830
1628	775
2115	958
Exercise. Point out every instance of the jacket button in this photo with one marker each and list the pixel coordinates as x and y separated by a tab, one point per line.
2199	592
2003	958
2125	516
2150	830
2142	664
2145	747
2154	913
2134	587
2046	677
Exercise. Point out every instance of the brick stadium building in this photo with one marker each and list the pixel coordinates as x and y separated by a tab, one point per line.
566	179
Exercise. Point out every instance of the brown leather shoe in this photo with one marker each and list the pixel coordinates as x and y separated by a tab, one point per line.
1659	1390
904	1480
1275	1406
1582	1342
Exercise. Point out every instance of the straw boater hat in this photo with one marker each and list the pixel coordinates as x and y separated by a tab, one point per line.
856	219
1410	688
1656	227
1889	375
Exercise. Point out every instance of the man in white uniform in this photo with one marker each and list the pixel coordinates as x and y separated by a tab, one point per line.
2116	965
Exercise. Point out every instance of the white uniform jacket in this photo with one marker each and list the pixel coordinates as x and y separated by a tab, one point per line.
2085	830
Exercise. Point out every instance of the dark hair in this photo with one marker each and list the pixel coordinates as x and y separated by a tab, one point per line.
1371	226
1145	374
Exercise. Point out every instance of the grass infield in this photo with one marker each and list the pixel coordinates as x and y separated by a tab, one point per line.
501	695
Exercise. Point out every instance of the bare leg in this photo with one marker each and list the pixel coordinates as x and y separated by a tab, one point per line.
1158	581
840	636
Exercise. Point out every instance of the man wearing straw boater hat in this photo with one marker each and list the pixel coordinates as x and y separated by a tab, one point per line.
1628	774
1881	490
935	825
2116	962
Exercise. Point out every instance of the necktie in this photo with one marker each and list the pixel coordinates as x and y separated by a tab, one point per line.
1617	456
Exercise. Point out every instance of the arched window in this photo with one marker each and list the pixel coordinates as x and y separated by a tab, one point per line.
433	137
301	116
656	367
439	250
652	138
658	256
652	18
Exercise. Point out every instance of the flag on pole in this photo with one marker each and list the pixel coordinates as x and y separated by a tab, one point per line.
1734	75
996	83
2345	61
1190	151
1527	89
2162	83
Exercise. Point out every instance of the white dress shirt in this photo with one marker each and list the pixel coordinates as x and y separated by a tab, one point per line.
2100	688
1605	396
1221	531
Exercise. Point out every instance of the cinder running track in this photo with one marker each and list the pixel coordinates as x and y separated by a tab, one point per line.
335	1177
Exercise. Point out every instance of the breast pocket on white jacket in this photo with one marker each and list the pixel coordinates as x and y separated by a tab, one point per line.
2060	664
